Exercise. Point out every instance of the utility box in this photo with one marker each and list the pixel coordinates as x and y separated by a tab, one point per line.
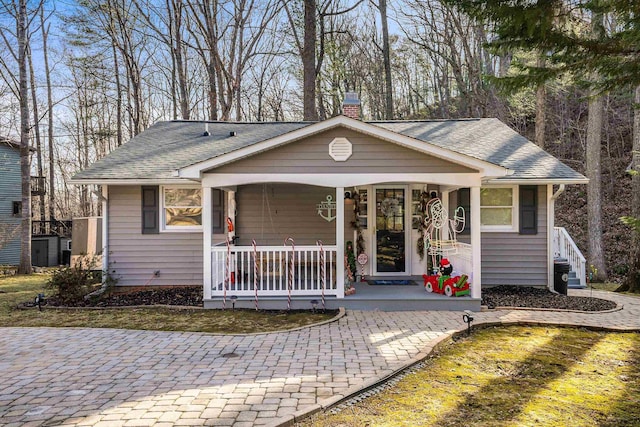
561	270
86	241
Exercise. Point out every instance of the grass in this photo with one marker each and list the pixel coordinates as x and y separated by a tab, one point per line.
513	376
18	289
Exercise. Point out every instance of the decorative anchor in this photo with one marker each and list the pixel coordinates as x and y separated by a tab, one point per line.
329	206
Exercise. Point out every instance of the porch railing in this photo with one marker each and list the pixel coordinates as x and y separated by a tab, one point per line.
238	265
461	260
565	247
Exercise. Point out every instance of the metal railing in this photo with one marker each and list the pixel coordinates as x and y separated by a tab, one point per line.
278	267
38	185
565	247
51	228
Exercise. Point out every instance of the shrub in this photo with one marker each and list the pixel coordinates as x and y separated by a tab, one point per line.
71	284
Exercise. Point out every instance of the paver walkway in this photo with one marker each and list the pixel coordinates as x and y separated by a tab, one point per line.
104	377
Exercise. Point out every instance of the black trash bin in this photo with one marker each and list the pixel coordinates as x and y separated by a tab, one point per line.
561	270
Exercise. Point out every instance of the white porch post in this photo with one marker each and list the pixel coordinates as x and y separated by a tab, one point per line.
340	241
445	206
476	244
207	223
105	233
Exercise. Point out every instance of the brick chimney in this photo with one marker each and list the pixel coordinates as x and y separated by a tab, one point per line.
351	105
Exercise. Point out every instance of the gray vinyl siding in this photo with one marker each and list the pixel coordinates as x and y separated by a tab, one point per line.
515	259
10	191
289	211
135	256
311	155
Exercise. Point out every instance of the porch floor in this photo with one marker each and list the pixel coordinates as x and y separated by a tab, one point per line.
368	298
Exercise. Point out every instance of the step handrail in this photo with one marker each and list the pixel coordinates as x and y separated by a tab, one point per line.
565	247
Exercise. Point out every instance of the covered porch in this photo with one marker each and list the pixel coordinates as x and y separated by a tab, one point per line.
279	273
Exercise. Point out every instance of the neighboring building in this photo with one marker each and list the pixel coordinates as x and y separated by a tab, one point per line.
10	202
172	194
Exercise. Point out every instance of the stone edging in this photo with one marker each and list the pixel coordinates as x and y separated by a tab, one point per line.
618	307
290	420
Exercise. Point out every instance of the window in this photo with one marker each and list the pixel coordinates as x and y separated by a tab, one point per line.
364	206
497	208
181	208
17	209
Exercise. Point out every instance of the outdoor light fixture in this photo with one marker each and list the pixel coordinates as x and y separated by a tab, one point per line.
314	305
467	318
39	299
233	302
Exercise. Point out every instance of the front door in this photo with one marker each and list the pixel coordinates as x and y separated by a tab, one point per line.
390	257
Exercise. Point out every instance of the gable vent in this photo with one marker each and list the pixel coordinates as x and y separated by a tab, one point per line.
340	149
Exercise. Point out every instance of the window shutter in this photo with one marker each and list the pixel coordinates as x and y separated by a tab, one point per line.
528	209
150	210
464	200
217	211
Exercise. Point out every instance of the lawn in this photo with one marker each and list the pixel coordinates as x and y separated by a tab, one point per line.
512	376
18	289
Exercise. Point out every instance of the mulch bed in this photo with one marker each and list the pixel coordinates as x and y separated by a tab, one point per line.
525	296
499	296
183	295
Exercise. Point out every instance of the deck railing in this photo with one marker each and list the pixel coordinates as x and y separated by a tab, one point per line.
235	267
565	247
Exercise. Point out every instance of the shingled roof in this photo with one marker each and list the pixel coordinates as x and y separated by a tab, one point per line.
167	146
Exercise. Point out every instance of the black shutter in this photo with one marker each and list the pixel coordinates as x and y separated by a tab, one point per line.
464	200
150	210
528	209
217	211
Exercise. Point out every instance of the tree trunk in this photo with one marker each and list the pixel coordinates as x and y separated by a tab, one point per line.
632	281
25	163
309	61
36	126
594	172
388	110
118	96
594	191
541	97
47	72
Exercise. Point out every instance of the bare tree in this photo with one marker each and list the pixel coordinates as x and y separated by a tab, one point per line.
25	160
541	98
382	6
45	28
594	169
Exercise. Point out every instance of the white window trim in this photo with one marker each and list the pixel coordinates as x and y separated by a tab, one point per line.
515	215
164	228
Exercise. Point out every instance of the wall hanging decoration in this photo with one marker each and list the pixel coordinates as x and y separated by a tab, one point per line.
357	223
327	209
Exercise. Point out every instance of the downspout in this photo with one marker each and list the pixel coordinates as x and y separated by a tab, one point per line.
550	233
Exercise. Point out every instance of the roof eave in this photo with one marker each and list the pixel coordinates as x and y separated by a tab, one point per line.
128	181
537	181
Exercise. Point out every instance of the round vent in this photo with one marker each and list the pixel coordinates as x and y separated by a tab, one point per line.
340	149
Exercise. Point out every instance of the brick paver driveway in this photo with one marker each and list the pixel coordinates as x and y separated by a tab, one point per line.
101	377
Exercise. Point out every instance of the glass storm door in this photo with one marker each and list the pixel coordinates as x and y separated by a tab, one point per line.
390	230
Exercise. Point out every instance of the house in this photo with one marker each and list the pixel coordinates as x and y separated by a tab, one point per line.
10	202
175	193
49	239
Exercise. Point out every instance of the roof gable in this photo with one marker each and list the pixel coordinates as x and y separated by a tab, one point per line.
195	171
